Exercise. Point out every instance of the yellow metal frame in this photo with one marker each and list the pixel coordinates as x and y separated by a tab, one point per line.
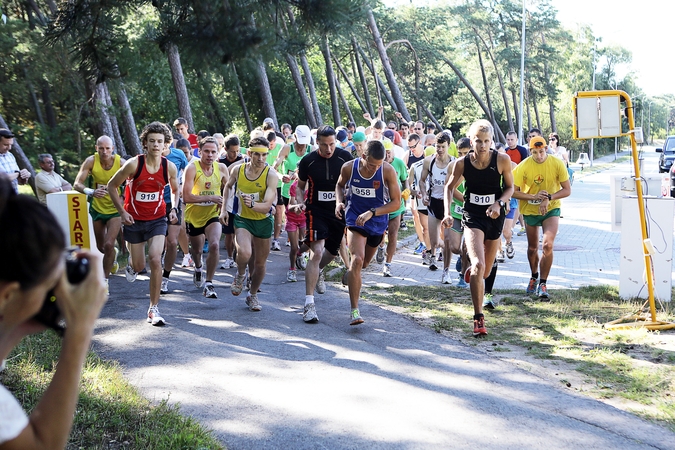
639	320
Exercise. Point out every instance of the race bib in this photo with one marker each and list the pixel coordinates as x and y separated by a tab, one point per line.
102	186
534	202
326	196
457	209
363	192
438	182
147	196
482	200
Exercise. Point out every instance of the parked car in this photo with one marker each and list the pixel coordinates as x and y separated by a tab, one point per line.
667	154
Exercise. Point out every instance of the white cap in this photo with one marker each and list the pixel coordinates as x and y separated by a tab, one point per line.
361	129
269	119
302	135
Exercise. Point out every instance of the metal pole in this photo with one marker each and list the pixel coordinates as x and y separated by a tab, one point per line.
649	136
522	80
591	149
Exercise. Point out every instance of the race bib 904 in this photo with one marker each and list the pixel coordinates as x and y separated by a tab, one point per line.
147	196
363	192
326	196
482	200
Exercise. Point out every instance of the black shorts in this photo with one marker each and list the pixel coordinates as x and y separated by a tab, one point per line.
372	240
285	200
436	208
179	214
491	228
325	226
229	228
194	231
279	197
142	230
424	212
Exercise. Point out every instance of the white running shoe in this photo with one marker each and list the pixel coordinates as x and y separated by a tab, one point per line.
291	276
130	274
321	283
187	261
309	314
154	317
164	289
446	278
209	291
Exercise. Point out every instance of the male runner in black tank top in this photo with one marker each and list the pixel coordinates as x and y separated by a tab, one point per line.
489	186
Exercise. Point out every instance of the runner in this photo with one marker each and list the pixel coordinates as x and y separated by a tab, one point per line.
540	182
232	156
396	216
143	213
373	194
277	148
489	185
318	173
102	165
252	216
203	201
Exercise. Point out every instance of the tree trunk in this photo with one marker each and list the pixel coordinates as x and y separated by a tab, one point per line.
344	100
509	118
21	158
265	92
128	122
386	66
362	77
33	96
351	86
52	6
101	120
536	108
526	93
300	87
491	115
119	142
215	107
514	97
49	108
309	79
550	90
379	83
242	101
179	86
330	79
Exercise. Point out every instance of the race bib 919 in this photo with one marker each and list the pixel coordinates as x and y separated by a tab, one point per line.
363	192
482	200
326	196
147	196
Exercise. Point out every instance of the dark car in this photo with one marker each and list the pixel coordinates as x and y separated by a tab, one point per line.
667	154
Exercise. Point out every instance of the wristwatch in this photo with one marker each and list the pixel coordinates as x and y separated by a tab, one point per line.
502	204
372	210
549	196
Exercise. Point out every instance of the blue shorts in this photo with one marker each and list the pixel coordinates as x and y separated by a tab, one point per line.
513	205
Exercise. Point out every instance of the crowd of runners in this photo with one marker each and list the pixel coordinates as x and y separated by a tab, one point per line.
335	193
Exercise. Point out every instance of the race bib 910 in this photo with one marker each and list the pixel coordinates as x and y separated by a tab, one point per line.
147	196
363	192
482	200
326	196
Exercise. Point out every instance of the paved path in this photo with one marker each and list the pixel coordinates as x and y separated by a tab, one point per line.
268	380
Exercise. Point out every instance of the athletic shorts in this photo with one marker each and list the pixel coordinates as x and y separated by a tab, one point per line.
196	231
457	225
514	207
491	228
436	208
229	228
285	200
294	222
142	230
537	221
96	216
396	214
372	240
325	226
279	198
262	228
424	212
179	214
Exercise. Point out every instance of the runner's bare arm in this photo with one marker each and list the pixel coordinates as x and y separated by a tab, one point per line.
125	172
231	180
391	181
452	180
270	194
82	175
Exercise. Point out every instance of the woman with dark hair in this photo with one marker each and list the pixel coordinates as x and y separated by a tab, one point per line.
33	264
558	150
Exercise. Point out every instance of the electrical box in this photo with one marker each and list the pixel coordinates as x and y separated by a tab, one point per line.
622	186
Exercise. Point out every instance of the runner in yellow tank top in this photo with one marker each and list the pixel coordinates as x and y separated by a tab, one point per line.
201	193
107	223
256	192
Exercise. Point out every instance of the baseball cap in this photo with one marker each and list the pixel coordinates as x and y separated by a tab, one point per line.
268	120
389	134
5	133
341	135
302	135
359	136
361	129
388	145
537	142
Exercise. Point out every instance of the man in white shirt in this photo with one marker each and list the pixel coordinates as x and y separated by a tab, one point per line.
8	164
48	181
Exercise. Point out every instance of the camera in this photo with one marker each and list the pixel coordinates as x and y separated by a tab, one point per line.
50	314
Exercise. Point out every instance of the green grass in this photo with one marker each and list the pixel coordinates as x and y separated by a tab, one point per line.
110	412
625	364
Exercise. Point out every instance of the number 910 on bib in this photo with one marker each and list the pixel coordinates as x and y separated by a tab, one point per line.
482	200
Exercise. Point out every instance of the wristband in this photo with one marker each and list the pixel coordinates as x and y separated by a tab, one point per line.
372	210
549	196
88	191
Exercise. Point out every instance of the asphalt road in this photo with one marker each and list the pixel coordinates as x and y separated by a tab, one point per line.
268	380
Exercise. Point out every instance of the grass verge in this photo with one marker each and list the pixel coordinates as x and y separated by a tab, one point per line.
634	367
110	414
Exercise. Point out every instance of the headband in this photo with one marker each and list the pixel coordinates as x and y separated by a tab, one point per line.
259	149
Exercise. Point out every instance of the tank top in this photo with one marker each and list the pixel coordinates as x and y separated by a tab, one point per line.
483	187
412	159
101	177
290	165
364	194
200	213
417	174
457	207
272	157
437	179
144	194
257	187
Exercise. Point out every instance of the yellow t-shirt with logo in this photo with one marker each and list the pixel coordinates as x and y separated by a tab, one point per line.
257	187
101	177
200	213
532	177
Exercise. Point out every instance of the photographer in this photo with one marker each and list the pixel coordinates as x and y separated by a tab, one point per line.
33	264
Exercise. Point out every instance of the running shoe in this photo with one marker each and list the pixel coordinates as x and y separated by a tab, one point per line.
116	265
321	283
252	302
445	278
309	314
404	226
187	261
144	271
206	247
154	317
440	256
531	286
356	317
275	245
291	276
542	292
467	276
500	256
426	258
479	327
130	273
345	278
301	261
237	285
379	258
164	288
458	265
489	302
107	287
521	232
228	264
461	283
198	278
209	291
420	249
432	263
288	243
386	270
510	251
